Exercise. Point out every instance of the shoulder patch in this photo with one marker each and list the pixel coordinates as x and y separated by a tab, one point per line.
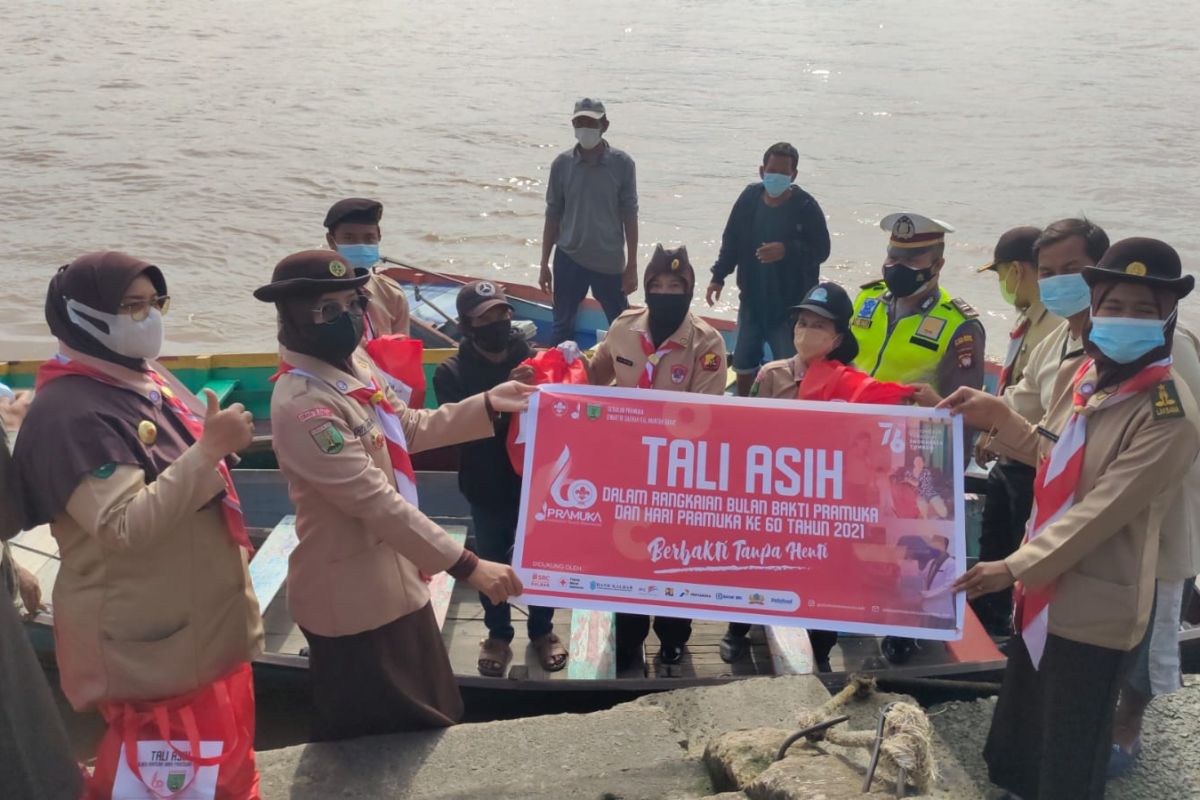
328	438
1164	401
314	413
964	308
871	284
104	471
710	361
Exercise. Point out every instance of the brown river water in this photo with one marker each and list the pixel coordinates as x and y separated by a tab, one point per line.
210	137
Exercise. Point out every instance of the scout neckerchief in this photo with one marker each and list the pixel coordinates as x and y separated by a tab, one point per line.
1015	340
646	379
1054	490
373	398
231	507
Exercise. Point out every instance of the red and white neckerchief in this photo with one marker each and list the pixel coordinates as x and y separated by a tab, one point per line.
1015	340
1054	490
231	506
389	424
653	357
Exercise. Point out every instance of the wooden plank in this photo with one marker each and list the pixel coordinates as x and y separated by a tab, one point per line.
791	651
268	568
442	586
221	387
593	646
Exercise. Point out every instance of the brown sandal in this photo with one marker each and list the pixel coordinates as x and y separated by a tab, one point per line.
550	651
494	657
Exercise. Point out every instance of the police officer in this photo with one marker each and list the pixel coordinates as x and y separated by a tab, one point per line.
661	346
909	329
352	229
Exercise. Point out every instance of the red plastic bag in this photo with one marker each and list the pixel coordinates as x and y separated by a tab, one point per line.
832	380
198	746
399	358
549	366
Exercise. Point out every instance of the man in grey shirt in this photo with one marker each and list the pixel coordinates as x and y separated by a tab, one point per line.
591	223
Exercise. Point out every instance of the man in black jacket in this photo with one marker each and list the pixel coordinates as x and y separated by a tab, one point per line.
776	238
489	355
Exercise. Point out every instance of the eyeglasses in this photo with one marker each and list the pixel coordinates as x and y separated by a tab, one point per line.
330	310
140	309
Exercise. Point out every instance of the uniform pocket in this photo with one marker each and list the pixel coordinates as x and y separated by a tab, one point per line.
1094	608
149	668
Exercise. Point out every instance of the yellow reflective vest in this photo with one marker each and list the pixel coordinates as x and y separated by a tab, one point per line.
911	351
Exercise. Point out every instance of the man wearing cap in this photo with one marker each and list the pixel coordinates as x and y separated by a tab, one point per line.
377	663
1117	439
1010	483
776	239
591	223
489	355
661	346
352	229
821	370
909	329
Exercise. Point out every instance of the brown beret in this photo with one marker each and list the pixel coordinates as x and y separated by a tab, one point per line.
354	209
670	262
311	272
1149	262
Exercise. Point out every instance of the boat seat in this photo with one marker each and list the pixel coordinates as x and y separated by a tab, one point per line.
593	646
441	587
791	650
268	568
222	388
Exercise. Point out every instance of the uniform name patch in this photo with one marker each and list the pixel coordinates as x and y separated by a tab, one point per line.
328	438
625	361
363	428
314	413
931	328
710	362
1166	403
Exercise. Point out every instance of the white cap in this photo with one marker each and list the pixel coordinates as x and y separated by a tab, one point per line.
911	230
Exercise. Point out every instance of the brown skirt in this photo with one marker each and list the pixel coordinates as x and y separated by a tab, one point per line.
394	678
1052	728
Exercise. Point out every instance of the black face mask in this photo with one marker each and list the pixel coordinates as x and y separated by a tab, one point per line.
903	281
667	312
336	340
493	337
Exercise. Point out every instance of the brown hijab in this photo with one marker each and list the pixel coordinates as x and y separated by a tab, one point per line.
97	280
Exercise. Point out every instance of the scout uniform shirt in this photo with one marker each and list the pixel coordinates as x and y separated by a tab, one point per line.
940	344
690	360
362	546
387	307
1101	555
1033	325
1031	394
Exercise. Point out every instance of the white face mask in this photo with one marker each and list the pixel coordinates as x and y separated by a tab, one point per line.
125	336
588	137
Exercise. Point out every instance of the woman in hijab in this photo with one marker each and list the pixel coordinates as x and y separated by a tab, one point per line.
152	600
357	580
820	370
1114	446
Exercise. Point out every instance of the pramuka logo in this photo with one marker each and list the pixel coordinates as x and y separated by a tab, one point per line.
572	498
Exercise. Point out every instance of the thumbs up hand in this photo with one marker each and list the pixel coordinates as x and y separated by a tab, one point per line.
225	431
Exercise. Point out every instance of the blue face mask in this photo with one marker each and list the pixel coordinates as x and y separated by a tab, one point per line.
1065	295
360	256
1125	339
776	184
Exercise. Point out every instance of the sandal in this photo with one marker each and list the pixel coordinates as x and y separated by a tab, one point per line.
550	652
494	657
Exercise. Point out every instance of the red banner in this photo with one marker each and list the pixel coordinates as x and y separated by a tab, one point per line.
828	515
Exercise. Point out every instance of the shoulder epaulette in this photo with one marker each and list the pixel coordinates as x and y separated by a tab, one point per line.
871	284
964	308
